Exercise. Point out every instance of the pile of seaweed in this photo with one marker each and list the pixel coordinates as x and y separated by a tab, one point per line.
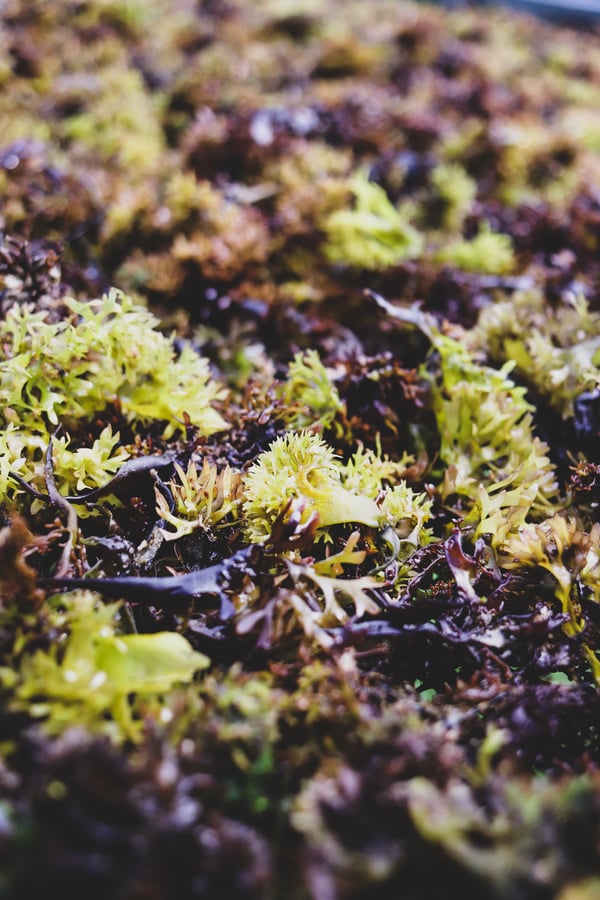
299	472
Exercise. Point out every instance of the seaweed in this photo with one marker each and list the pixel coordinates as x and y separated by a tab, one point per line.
299	476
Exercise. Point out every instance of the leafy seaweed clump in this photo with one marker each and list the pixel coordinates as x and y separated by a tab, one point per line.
488	252
90	673
309	394
201	500
486	434
555	350
301	467
373	235
100	353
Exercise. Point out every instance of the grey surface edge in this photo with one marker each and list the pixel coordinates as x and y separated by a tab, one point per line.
576	12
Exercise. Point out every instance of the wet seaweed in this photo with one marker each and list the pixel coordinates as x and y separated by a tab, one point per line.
299	479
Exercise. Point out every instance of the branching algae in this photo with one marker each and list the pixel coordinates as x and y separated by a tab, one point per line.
299	551
102	352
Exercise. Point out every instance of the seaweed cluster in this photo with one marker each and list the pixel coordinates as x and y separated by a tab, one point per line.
299	474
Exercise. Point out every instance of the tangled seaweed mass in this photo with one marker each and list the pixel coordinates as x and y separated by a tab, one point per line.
299	466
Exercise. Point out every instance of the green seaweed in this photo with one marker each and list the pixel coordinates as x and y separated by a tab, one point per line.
102	352
90	676
301	466
334	430
488	252
373	234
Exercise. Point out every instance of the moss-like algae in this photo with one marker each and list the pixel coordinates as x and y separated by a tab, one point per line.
332	445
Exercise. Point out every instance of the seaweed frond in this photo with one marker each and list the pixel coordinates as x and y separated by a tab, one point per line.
373	234
489	253
555	349
104	351
295	466
309	393
455	190
203	500
570	555
96	677
486	428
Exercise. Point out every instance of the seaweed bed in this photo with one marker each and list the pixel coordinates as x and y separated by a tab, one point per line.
299	468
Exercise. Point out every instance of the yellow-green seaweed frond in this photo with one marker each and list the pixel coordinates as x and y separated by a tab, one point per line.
309	393
301	465
556	349
408	512
489	253
97	678
485	427
570	555
368	472
203	499
105	350
456	191
373	234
